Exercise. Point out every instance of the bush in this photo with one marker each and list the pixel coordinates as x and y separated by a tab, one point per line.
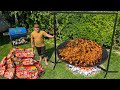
98	28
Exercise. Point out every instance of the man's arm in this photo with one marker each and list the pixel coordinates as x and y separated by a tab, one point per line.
50	36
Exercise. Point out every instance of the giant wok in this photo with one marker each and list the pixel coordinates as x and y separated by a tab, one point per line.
82	53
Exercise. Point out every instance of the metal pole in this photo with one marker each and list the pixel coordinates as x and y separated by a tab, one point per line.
55	38
111	43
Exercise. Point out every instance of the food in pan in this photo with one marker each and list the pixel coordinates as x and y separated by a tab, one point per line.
81	52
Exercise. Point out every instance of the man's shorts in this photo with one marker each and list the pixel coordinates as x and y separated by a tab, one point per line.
41	51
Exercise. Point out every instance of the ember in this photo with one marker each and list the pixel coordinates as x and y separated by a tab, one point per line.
85	71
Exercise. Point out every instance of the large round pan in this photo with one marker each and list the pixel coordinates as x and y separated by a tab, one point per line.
104	55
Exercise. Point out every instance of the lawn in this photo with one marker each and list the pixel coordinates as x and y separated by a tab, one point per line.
61	71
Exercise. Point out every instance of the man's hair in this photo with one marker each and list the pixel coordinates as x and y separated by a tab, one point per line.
36	25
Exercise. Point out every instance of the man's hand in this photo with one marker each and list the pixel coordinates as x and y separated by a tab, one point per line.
54	36
50	36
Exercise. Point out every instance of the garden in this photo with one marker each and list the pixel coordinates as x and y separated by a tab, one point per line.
95	27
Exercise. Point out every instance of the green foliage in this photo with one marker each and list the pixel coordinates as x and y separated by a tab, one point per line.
117	33
98	28
44	19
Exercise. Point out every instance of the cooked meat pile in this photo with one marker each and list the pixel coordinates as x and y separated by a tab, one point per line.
81	52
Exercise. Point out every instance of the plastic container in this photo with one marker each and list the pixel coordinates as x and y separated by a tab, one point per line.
17	32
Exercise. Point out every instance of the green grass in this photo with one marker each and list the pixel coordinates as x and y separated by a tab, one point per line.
61	71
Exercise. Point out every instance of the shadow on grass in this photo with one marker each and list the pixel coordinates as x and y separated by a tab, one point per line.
4	40
50	52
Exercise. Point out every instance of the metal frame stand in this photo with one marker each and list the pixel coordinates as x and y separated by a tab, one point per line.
56	62
116	13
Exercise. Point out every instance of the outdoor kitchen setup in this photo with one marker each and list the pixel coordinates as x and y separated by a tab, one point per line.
82	62
82	55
